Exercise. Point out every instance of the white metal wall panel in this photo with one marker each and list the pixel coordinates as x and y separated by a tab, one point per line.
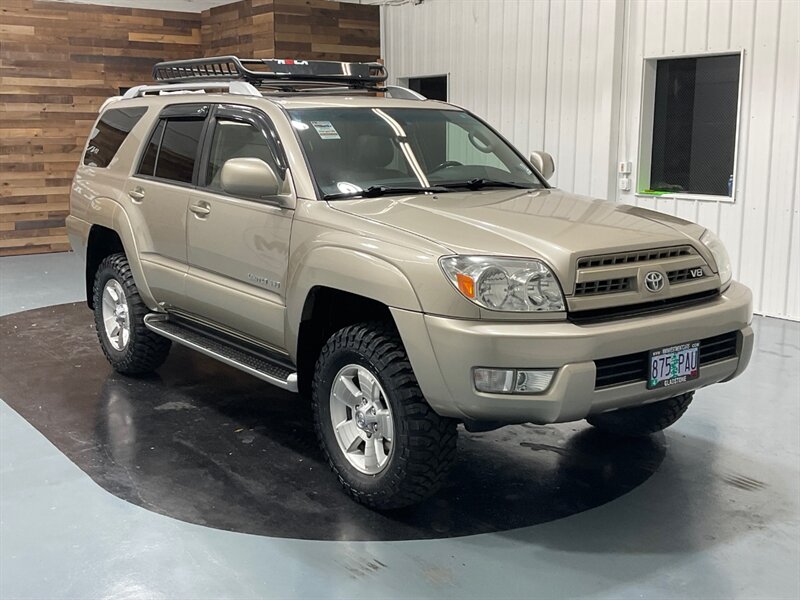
566	76
761	228
536	70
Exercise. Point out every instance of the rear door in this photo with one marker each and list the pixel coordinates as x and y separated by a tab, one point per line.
159	193
238	248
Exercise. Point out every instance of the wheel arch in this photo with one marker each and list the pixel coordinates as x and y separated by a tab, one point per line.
101	243
335	287
325	311
111	232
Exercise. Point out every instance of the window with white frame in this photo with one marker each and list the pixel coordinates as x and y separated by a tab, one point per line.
690	117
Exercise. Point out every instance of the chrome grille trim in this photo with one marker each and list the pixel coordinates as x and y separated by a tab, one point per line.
622	258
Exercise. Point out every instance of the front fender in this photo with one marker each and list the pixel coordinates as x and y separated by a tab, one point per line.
347	270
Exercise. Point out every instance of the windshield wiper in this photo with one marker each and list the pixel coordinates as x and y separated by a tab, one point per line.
478	183
381	190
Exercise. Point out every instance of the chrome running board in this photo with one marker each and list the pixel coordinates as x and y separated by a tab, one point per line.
257	365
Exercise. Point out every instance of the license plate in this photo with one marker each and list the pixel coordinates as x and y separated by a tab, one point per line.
673	364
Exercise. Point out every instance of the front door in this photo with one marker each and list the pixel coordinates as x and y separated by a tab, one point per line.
238	248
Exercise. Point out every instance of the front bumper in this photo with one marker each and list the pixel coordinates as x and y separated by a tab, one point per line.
443	352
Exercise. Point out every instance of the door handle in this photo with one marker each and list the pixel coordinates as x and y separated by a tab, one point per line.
136	194
201	209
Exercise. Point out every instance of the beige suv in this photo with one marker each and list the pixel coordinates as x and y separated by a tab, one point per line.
392	258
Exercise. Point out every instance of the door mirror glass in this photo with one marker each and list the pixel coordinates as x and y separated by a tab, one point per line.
249	178
544	163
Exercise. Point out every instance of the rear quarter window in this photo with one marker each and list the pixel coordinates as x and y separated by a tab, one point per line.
108	134
148	165
172	150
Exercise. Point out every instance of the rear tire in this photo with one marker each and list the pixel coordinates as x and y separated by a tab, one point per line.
119	313
363	372
643	420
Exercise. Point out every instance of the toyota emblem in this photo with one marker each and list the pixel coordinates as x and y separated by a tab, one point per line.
654	281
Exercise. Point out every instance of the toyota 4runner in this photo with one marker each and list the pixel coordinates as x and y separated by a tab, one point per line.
395	259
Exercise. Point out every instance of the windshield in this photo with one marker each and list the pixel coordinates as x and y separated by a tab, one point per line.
351	150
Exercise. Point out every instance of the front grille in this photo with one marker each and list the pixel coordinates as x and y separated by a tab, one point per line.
623	258
632	368
604	286
607	286
681	275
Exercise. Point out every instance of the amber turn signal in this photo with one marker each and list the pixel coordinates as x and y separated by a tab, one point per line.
466	285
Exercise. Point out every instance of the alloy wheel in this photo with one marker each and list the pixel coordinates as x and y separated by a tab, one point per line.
115	315
361	419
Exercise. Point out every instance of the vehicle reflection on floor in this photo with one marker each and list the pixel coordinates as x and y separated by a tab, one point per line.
204	443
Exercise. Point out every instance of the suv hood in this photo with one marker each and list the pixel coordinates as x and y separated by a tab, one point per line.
555	226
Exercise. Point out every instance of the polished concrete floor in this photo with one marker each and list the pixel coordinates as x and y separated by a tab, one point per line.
186	486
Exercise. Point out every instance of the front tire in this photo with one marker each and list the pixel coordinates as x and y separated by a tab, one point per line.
643	420
386	445
119	313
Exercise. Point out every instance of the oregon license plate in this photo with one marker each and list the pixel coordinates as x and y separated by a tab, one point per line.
673	364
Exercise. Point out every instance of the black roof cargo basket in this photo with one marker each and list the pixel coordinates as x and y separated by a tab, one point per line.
282	74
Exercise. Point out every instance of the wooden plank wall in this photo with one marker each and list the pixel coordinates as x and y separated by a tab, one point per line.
317	29
59	61
310	29
228	29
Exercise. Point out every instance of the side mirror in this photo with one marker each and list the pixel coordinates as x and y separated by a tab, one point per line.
249	178
544	163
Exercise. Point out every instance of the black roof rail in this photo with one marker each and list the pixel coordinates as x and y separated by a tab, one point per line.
273	72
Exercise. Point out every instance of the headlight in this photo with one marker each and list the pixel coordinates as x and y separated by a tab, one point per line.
720	254
505	284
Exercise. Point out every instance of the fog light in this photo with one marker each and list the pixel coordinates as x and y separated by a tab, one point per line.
494	381
533	381
512	381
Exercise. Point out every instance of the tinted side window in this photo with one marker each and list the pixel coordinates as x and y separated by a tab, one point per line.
178	151
109	133
148	165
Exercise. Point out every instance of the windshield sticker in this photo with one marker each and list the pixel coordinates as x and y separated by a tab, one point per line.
326	130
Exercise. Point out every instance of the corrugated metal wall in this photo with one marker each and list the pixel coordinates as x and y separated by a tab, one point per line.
536	70
565	76
762	228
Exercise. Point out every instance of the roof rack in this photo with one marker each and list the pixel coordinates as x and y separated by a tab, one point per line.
278	77
282	74
232	87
